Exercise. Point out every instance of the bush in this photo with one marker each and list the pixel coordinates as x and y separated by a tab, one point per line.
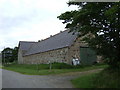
61	66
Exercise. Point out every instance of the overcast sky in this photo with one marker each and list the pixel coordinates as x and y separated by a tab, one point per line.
30	20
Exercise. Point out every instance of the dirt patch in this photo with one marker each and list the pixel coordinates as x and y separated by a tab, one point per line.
80	73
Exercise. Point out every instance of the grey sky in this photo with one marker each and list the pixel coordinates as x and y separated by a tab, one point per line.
30	20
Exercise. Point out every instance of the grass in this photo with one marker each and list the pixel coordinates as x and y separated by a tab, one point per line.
108	78
85	81
0	66
43	69
103	79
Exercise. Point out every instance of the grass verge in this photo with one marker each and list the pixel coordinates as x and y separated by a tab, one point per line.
104	79
43	69
85	81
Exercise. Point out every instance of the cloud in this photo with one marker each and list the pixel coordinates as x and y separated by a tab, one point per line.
29	20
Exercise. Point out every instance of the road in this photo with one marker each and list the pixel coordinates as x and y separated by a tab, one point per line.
0	79
12	79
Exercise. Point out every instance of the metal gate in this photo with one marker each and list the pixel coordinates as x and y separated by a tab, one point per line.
87	56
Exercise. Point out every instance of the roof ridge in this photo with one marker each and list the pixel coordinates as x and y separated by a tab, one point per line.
59	40
29	41
53	35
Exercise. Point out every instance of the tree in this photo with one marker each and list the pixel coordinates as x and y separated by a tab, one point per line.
15	54
6	55
100	22
9	55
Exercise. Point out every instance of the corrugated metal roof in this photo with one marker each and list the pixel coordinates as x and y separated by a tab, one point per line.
60	40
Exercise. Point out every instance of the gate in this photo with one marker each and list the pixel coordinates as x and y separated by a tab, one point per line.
87	56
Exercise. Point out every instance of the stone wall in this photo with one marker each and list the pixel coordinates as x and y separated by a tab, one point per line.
58	55
20	57
74	50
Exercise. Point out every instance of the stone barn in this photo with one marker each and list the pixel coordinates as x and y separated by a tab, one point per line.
61	47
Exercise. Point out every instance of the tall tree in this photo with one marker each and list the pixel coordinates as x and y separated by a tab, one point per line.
6	55
100	22
9	55
15	54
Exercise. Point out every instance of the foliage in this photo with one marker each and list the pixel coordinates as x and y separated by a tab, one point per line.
99	23
44	68
85	81
110	77
103	79
15	54
9	55
6	55
61	66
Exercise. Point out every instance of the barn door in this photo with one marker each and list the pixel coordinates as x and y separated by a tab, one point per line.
87	56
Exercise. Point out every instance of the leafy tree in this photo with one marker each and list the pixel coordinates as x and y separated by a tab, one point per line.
6	55
15	54
100	22
9	55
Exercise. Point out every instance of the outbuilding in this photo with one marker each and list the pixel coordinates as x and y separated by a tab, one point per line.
61	47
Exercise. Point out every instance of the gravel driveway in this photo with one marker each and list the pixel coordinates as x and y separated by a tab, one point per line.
12	79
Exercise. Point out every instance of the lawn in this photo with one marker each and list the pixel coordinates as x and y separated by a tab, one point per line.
43	69
103	79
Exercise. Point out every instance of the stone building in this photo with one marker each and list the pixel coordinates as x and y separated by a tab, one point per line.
61	47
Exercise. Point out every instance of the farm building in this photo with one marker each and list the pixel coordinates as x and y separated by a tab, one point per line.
61	47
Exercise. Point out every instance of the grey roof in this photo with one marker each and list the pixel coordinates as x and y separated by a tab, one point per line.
25	45
60	40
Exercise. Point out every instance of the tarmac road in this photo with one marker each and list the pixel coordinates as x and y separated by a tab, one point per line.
12	79
0	79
